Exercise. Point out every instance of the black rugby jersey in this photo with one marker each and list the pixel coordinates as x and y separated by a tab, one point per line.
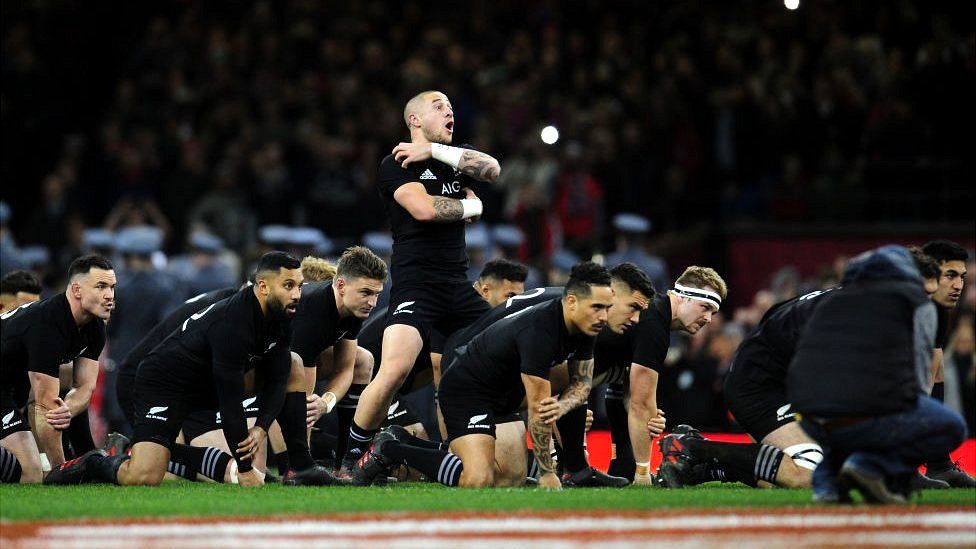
41	336
530	341
317	325
424	251
213	348
646	343
511	305
169	324
777	334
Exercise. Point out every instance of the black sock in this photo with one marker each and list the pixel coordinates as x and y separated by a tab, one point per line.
622	452
79	434
442	466
359	439
345	410
9	466
292	423
186	461
424	443
745	463
323	446
280	461
938	393
572	431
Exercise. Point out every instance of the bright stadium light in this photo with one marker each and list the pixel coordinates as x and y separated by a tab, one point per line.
791	4
549	135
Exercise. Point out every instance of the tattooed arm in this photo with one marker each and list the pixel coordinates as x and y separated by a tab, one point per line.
580	383
424	207
480	166
474	164
538	390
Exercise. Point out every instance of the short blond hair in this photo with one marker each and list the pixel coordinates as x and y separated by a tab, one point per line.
316	269
700	277
414	105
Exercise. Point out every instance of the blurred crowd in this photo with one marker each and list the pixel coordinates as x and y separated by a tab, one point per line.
187	137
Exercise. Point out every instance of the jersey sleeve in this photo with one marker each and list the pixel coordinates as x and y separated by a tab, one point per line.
392	176
44	351
272	395
650	342
96	340
303	341
585	349
229	355
353	331
535	352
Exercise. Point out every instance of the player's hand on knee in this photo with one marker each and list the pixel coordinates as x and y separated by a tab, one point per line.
550	481
656	425
549	410
408	153
250	479
589	420
60	417
317	406
249	447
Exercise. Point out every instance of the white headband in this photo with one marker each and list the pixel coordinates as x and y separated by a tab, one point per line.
699	294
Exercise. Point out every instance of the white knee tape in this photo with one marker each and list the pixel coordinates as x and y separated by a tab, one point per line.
806	455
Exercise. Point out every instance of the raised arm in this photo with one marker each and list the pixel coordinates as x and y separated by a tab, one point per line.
437	209
474	164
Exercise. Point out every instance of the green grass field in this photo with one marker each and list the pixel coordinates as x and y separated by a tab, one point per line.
25	503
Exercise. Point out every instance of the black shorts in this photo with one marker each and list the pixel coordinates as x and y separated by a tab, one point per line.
400	414
125	392
756	399
469	412
445	306
162	406
203	421
12	419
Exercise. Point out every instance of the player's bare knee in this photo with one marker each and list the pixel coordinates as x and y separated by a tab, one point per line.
31	473
477	478
792	476
363	369
140	476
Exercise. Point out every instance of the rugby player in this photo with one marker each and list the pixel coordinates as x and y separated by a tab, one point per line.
489	378
783	454
639	353
18	288
207	363
37	338
425	188
951	258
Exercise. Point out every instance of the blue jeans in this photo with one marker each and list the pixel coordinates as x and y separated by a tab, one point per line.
894	445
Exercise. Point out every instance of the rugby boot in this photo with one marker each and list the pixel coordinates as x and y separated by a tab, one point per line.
918	481
116	444
687	431
373	465
872	485
592	478
951	474
680	470
313	476
75	471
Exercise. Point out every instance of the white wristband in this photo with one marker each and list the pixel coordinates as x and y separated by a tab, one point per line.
329	405
446	154
471	208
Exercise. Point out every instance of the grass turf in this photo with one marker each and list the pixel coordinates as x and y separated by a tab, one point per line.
24	502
